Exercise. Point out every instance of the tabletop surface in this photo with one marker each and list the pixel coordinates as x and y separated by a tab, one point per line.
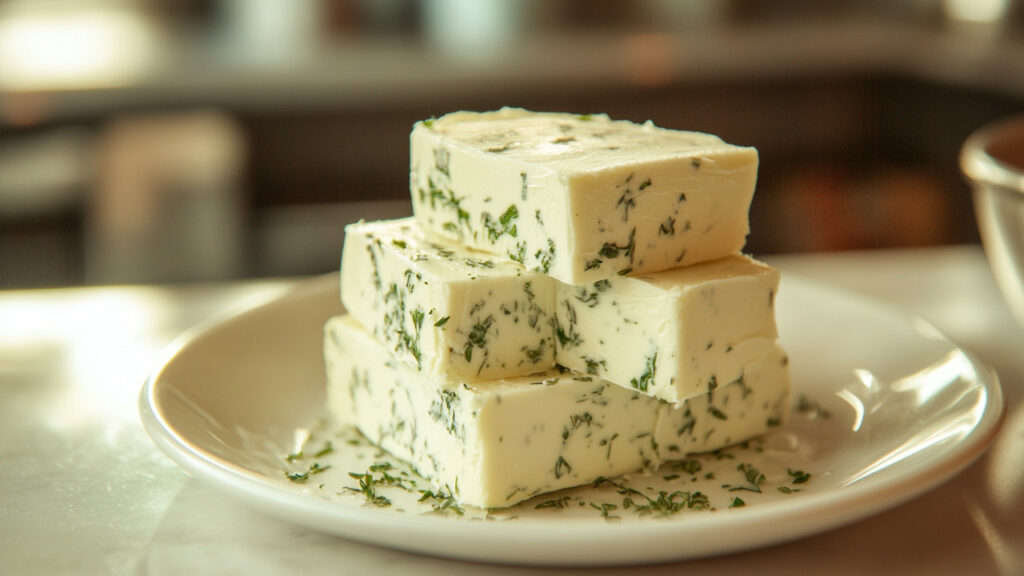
84	491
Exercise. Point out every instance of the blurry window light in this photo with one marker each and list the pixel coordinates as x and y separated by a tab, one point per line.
105	338
980	11
43	47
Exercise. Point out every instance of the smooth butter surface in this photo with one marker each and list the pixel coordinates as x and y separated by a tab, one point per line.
673	334
581	197
494	444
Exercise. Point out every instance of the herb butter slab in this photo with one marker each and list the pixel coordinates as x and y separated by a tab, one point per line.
496	443
444	309
755	402
672	334
581	197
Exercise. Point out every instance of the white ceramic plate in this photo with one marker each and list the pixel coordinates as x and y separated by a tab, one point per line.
885	408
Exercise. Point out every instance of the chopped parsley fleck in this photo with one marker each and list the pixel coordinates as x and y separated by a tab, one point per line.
504	225
417	318
752	475
562	467
594	365
799	476
559	503
689	466
545	258
626	202
568	338
644	380
608	442
327	449
441	501
669	503
604	508
668	227
316	468
478	337
613	250
368	488
443	409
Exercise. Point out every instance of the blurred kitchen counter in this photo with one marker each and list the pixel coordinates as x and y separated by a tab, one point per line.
858	122
395	71
86	492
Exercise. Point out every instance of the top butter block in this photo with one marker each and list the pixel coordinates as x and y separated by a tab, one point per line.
581	198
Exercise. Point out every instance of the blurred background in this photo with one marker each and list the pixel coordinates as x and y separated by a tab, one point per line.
200	140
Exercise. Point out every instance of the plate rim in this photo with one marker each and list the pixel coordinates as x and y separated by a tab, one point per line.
810	514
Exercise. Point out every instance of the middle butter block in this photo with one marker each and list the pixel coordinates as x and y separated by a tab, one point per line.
673	334
457	314
447	310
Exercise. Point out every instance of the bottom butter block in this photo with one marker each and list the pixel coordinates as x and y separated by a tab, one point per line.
495	443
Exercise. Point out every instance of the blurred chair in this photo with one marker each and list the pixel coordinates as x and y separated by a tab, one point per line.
168	205
43	179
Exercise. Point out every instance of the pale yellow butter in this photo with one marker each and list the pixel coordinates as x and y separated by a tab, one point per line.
581	197
671	334
496	443
444	309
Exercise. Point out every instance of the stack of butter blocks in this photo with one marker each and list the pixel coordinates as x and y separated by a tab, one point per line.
569	302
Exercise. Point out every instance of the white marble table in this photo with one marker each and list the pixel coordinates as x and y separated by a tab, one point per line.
84	491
